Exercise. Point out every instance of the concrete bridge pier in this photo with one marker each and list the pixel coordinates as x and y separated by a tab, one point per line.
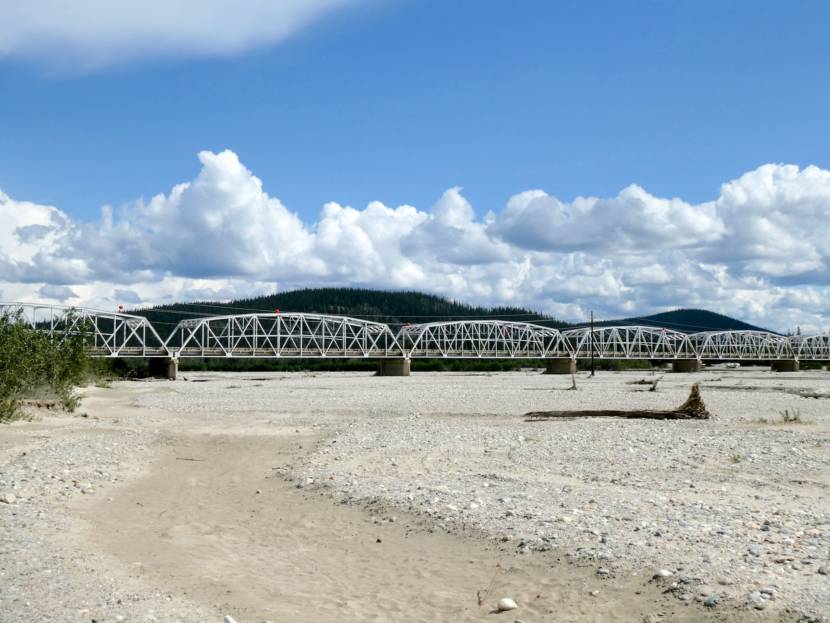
395	367
560	366
166	367
686	365
785	365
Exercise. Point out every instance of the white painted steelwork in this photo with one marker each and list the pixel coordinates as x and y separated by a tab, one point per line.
300	335
282	335
109	334
751	345
481	339
816	347
629	342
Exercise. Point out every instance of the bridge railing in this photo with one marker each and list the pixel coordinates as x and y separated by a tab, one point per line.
301	335
108	334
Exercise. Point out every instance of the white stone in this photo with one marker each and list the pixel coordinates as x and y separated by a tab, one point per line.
228	619
505	603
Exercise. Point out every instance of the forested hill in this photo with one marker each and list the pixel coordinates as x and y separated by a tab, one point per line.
689	321
400	307
376	305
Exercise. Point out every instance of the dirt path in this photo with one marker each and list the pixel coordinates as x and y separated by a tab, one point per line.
197	526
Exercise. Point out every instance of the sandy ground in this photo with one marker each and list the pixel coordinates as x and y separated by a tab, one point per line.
346	497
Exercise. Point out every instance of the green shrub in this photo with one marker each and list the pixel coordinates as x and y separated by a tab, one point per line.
32	364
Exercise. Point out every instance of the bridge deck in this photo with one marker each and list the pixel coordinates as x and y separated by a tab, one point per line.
300	335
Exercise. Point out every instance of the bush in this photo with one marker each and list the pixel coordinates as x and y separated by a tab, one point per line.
34	364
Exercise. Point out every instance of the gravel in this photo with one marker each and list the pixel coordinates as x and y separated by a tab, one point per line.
735	508
739	502
44	576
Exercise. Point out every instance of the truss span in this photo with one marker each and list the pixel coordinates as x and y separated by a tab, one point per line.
481	339
301	335
629	342
742	345
815	347
282	335
108	334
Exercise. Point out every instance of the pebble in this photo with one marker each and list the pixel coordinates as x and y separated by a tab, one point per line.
505	603
8	498
662	573
709	526
603	571
712	600
228	619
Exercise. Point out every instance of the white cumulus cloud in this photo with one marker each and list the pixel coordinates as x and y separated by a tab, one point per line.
759	251
93	33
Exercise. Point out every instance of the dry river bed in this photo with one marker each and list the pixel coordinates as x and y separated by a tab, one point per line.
348	497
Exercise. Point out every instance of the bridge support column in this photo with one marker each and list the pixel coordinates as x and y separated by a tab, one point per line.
167	367
686	365
394	367
560	366
785	365
172	368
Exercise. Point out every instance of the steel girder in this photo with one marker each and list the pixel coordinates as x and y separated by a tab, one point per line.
481	339
282	335
109	334
750	345
816	347
112	334
629	342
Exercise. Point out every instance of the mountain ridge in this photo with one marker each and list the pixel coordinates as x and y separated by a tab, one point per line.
686	320
396	307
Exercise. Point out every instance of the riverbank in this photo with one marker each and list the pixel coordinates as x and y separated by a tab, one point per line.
350	497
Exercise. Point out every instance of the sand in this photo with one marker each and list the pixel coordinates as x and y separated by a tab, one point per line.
324	497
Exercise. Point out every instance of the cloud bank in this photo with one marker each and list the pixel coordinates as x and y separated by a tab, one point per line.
94	33
760	250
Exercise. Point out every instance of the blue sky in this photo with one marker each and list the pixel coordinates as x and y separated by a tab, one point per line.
402	102
397	101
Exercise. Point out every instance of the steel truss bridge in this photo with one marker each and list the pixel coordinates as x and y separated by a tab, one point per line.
317	336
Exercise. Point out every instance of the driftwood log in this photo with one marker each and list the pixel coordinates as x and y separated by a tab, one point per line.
692	409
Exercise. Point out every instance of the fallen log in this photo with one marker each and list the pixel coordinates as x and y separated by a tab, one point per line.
692	409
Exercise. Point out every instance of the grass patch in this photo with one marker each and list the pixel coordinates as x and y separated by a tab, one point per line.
787	416
791	417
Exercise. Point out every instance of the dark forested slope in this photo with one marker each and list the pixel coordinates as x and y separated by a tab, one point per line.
378	305
396	308
689	321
